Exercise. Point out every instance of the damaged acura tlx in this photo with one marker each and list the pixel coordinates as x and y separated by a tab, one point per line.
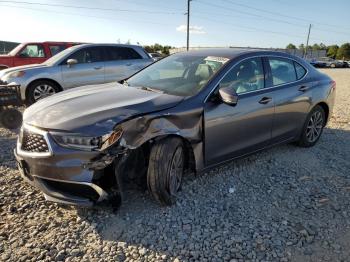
185	113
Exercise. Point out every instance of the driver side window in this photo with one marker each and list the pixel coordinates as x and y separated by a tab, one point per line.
245	77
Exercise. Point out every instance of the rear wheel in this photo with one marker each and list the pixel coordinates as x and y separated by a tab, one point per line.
165	170
41	89
313	127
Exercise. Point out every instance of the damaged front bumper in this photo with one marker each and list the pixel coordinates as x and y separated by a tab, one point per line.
64	175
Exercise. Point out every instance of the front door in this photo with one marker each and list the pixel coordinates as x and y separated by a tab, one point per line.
232	131
30	54
89	69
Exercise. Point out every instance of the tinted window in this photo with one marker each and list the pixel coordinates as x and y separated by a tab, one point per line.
33	51
122	53
246	76
55	49
301	71
282	71
87	55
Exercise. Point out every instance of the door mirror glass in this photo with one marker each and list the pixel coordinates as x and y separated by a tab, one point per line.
228	95
71	62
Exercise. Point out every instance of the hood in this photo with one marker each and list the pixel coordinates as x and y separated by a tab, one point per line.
24	67
96	109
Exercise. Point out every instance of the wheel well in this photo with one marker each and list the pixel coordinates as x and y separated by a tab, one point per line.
44	79
326	110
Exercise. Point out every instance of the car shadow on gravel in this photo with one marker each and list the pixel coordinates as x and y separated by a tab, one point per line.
272	204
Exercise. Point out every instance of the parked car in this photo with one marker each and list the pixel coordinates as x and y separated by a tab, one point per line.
318	64
32	53
76	66
156	56
330	62
185	113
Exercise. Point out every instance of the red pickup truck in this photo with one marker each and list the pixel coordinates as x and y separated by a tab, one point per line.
32	53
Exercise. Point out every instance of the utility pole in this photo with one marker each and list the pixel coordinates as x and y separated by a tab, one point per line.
188	24
307	41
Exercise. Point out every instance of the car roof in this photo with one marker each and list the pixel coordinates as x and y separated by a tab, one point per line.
231	53
108	44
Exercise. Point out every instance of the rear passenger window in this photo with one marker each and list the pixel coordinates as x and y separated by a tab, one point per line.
55	49
282	71
122	53
301	71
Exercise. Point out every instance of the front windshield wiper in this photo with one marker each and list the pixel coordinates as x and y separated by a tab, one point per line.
151	89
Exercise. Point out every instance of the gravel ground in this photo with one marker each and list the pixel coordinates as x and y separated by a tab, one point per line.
283	204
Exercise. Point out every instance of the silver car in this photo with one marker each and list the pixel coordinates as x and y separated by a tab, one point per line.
80	65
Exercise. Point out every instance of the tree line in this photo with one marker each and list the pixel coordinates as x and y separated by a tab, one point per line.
334	51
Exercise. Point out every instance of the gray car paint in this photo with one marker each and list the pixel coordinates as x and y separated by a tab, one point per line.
215	132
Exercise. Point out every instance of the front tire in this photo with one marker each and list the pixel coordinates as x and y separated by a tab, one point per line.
41	89
313	127
165	170
11	118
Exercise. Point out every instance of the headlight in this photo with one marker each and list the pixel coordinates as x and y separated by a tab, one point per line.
81	142
16	74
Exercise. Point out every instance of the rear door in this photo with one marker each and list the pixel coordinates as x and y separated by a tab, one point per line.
89	69
292	92
30	54
122	62
232	131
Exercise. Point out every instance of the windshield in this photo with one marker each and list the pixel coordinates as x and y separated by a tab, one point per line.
14	51
59	56
181	74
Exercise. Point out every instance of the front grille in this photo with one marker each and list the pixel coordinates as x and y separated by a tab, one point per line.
32	142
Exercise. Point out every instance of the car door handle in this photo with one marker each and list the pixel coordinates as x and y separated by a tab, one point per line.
303	88
265	100
129	64
98	67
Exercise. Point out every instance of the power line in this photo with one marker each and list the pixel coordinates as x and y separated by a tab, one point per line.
88	16
281	15
91	8
264	17
255	29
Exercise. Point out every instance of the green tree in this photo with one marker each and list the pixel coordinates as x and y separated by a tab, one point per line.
332	51
316	47
291	46
344	52
301	47
323	46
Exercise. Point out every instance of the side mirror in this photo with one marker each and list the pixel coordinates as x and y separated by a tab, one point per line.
228	95
71	62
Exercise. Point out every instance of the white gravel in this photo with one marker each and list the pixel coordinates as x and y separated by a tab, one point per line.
283	204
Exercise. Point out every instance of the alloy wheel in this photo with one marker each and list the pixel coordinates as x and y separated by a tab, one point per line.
176	171
314	127
42	91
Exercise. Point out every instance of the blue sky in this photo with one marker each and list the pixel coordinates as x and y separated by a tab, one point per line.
256	23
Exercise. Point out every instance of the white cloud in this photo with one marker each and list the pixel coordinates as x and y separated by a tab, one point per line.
194	29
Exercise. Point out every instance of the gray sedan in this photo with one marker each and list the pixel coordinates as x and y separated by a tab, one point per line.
85	64
186	113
